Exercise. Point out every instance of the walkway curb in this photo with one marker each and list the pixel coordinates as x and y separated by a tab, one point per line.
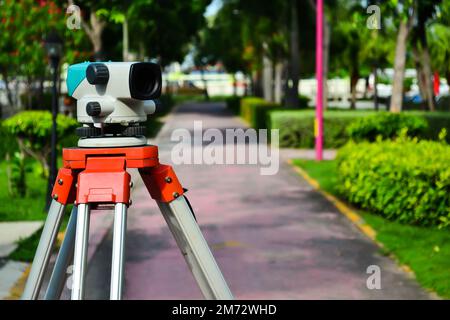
357	220
354	217
15	292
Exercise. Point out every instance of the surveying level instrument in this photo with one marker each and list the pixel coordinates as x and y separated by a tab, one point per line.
94	175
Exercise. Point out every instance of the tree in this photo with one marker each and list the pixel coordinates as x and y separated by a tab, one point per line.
349	40
438	38
248	36
93	23
403	12
22	56
292	99
378	49
222	41
166	28
330	8
425	12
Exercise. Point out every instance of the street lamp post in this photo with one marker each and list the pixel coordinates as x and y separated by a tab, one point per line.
319	76
54	46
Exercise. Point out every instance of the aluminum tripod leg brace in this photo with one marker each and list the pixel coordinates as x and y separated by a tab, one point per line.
93	176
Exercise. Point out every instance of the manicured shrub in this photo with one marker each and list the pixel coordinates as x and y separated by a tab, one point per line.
32	130
8	144
256	111
386	125
297	127
234	104
403	179
436	122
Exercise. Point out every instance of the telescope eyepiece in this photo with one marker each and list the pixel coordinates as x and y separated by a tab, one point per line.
97	73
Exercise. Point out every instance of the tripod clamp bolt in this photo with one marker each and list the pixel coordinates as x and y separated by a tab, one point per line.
55	197
176	195
168	179
60	182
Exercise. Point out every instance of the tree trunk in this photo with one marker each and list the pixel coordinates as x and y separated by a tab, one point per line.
125	38
278	82
428	75
141	51
9	94
40	95
267	79
94	32
205	84
375	89
234	84
292	100
257	84
29	95
326	54
399	67
421	81
354	77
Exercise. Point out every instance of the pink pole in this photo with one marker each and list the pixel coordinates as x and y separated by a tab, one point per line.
319	76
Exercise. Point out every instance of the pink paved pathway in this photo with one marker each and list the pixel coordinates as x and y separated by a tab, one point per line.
274	237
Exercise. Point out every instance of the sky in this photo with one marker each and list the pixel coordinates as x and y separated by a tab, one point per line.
213	8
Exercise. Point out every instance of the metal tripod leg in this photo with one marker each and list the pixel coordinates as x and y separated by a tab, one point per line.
65	256
81	250
44	250
118	251
192	244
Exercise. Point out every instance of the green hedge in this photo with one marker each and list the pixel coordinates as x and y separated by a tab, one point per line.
297	127
256	111
387	125
233	103
402	180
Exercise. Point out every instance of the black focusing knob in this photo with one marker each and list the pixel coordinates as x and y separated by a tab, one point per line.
93	109
97	73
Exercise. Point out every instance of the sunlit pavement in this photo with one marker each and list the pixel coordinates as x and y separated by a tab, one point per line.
274	237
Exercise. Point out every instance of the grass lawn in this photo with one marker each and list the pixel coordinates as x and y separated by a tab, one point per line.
30	207
425	250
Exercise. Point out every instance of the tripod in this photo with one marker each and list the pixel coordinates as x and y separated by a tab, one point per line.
93	177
